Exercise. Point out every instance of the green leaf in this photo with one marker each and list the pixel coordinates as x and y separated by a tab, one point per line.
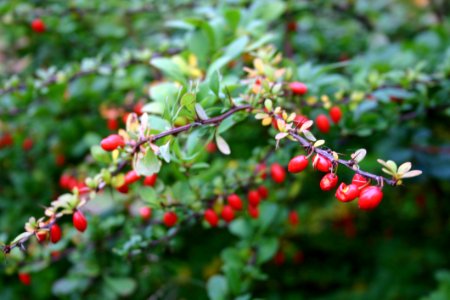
241	228
168	67
164	151
200	112
122	286
217	287
214	83
188	101
148	164
233	17
222	145
267	249
100	155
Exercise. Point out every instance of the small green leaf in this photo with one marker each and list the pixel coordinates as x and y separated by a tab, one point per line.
201	112
214	83
148	164
217	288
164	151
188	101
222	145
121	286
412	173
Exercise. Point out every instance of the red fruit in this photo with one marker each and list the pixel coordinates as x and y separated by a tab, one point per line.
346	193
131	177
41	235
37	25
60	160
112	124
335	114
323	124
170	218
146	213
291	26
27	144
6	140
253	198
25	278
359	180
227	213
138	108
297	164
234	201
79	221
370	197
298	88
253	211
55	254
263	192
321	163
125	117
211	217
211	147
112	142
278	173
299	120
279	258
55	233
123	189
150	180
328	182
293	218
261	170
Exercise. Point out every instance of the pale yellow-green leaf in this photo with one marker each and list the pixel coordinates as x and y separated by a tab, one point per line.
387	171
22	236
268	104
306	125
392	166
405	167
309	135
260	116
412	173
222	145
267	121
319	143
281	135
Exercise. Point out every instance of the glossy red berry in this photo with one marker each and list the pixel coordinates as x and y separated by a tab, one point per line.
335	114
278	173
37	25
170	218
6	140
293	218
263	192
299	120
211	147
123	189
79	221
298	164
27	144
346	193
328	182
150	180
370	197
145	212
321	163
323	124
137	108
227	213
235	201
253	198
359	180
55	233
211	217
25	278
298	88
253	211
261	170
41	235
112	142
131	177
112	124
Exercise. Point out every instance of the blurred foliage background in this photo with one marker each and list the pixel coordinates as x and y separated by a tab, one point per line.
64	89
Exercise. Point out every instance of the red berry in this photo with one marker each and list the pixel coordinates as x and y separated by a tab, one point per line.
346	193
297	164
291	26
321	163
227	213
145	212
25	278
211	217
211	147
261	170
234	201
131	177
79	221
138	108
263	192
323	124
170	218
335	114
293	218
123	189
37	25
359	180
253	211
55	233
41	235
60	160
370	197
328	182
112	124
6	140
278	173
299	120
150	180
279	258
27	144
112	142
298	88
253	198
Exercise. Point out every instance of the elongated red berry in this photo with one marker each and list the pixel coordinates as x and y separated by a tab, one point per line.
112	142
335	114
298	88
55	233
27	144
79	221
253	198
211	217
150	180
170	218
321	163
278	173
112	124
235	201
227	213
298	164
131	177
370	197
293	218
123	189
263	192
25	278
253	211
41	235
299	120
346	193
211	147
279	258
323	124
37	25
359	180
328	182
145	212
